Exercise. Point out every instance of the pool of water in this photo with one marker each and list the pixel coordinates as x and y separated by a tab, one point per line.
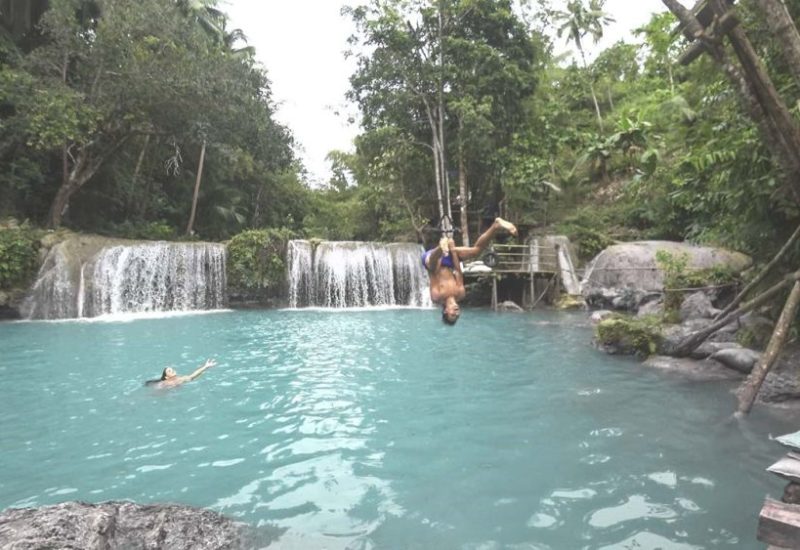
384	429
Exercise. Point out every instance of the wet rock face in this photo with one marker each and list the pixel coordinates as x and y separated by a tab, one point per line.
123	525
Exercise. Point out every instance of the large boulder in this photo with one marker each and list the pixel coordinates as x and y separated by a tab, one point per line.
124	525
782	383
697	306
740	359
623	275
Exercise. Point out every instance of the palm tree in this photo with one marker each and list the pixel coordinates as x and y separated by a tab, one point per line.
578	21
205	13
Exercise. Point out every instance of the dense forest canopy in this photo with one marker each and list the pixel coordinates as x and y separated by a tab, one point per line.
122	116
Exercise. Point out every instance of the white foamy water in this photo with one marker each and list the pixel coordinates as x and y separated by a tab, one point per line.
129	279
356	275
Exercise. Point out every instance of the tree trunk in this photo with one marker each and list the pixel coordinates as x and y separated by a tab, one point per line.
756	91
749	389
137	170
60	204
591	89
462	188
435	151
768	96
782	26
190	226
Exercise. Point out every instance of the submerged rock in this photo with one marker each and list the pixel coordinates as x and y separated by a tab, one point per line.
508	305
124	525
692	369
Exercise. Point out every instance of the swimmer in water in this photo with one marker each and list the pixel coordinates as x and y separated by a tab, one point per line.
170	379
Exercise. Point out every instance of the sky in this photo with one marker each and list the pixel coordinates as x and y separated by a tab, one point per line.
301	43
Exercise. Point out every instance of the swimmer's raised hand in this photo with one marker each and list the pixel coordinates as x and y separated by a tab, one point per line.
209	363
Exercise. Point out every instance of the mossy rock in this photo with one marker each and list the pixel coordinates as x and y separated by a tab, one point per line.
640	336
568	302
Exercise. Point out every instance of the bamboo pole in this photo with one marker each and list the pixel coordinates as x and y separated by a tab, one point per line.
749	388
781	253
691	342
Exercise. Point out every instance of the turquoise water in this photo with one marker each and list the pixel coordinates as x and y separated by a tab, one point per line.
383	429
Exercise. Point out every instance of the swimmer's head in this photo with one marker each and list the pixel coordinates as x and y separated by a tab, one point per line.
451	311
168	373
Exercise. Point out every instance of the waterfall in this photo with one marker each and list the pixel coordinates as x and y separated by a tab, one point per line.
53	296
298	258
356	274
136	278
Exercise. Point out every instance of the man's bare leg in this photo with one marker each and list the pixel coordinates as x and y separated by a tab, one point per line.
468	252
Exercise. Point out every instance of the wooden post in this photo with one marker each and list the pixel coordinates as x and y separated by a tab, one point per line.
494	292
533	291
557	273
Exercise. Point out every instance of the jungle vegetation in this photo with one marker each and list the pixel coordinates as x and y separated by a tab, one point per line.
152	119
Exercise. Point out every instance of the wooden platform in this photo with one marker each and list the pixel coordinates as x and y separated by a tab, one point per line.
529	262
779	520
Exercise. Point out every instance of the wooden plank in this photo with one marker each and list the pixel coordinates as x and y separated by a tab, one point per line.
779	524
787	467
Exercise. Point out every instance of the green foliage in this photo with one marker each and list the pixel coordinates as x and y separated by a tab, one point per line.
125	96
257	259
680	280
152	231
639	336
588	229
18	257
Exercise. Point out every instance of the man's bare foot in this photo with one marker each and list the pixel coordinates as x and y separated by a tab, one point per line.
508	226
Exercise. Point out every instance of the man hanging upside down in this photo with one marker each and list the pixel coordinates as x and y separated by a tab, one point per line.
444	267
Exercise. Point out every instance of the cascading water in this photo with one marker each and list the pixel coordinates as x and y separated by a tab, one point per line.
157	277
129	279
299	259
53	296
356	274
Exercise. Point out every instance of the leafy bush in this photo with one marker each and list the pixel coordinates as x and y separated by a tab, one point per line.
152	231
679	279
18	256
256	259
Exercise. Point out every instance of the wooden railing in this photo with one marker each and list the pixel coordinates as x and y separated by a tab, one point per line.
519	258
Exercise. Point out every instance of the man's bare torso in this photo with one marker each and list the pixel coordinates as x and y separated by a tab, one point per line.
446	282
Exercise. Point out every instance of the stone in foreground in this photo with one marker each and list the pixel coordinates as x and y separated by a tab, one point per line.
127	525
